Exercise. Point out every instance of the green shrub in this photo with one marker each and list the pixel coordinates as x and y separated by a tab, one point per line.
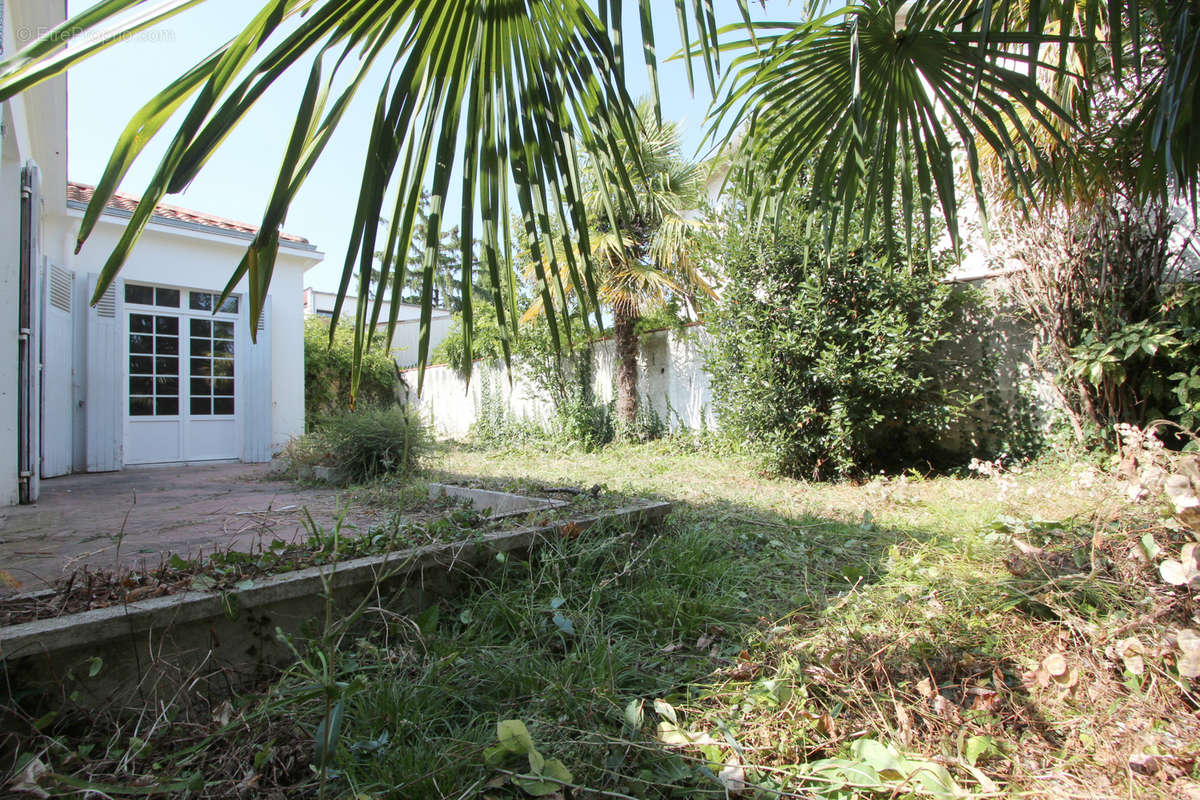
365	444
584	423
486	342
829	368
1144	371
327	373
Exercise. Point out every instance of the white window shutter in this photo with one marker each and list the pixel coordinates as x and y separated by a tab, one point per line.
104	403
256	401
58	412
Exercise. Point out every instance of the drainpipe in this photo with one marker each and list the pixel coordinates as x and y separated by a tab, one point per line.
28	379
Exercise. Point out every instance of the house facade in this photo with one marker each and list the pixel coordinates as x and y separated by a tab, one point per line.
157	371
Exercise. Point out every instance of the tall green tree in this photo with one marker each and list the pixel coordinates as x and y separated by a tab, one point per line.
875	94
448	274
643	241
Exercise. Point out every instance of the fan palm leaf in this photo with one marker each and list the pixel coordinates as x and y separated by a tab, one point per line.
881	96
885	99
497	92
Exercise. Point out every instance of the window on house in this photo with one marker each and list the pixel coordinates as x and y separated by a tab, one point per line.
151	296
207	301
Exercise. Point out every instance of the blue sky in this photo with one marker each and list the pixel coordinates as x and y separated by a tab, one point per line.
107	90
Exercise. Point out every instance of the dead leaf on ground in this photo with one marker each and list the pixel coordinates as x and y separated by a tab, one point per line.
744	671
1145	764
1055	665
1067	680
1185	571
1132	655
223	713
1035	679
1025	547
1183	496
733	778
27	782
904	724
1189	648
946	710
983	698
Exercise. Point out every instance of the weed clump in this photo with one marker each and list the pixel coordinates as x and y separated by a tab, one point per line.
362	445
328	365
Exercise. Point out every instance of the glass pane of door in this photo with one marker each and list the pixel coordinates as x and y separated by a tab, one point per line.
153	365
212	379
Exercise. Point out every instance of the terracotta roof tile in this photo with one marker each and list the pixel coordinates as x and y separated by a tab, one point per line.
82	193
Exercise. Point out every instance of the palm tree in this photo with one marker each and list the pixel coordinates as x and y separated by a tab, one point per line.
642	241
875	94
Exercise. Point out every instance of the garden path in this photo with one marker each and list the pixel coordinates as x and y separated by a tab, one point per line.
140	515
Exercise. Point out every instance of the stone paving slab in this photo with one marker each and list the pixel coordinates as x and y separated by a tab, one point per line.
187	510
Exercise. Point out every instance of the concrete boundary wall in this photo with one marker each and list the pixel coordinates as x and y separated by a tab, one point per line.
671	380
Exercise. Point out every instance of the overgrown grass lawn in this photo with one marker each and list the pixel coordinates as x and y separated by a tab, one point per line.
936	637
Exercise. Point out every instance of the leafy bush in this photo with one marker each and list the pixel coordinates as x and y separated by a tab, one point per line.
327	373
1144	371
486	342
365	444
829	368
1101	290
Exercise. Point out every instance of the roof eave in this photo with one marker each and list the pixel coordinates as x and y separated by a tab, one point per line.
307	248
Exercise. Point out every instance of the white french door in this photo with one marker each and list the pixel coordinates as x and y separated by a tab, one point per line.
182	376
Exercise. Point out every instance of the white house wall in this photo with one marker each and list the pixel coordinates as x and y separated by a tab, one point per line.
34	131
10	215
287	350
204	261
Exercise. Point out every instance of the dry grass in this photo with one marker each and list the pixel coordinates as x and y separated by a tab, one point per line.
892	639
942	640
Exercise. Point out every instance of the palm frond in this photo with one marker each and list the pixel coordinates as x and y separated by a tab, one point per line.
876	97
495	92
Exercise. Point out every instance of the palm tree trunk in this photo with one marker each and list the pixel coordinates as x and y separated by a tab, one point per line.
625	336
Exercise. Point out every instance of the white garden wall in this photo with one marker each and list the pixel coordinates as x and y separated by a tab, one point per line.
671	380
406	341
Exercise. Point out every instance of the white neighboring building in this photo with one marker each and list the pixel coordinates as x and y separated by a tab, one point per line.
408	322
150	374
